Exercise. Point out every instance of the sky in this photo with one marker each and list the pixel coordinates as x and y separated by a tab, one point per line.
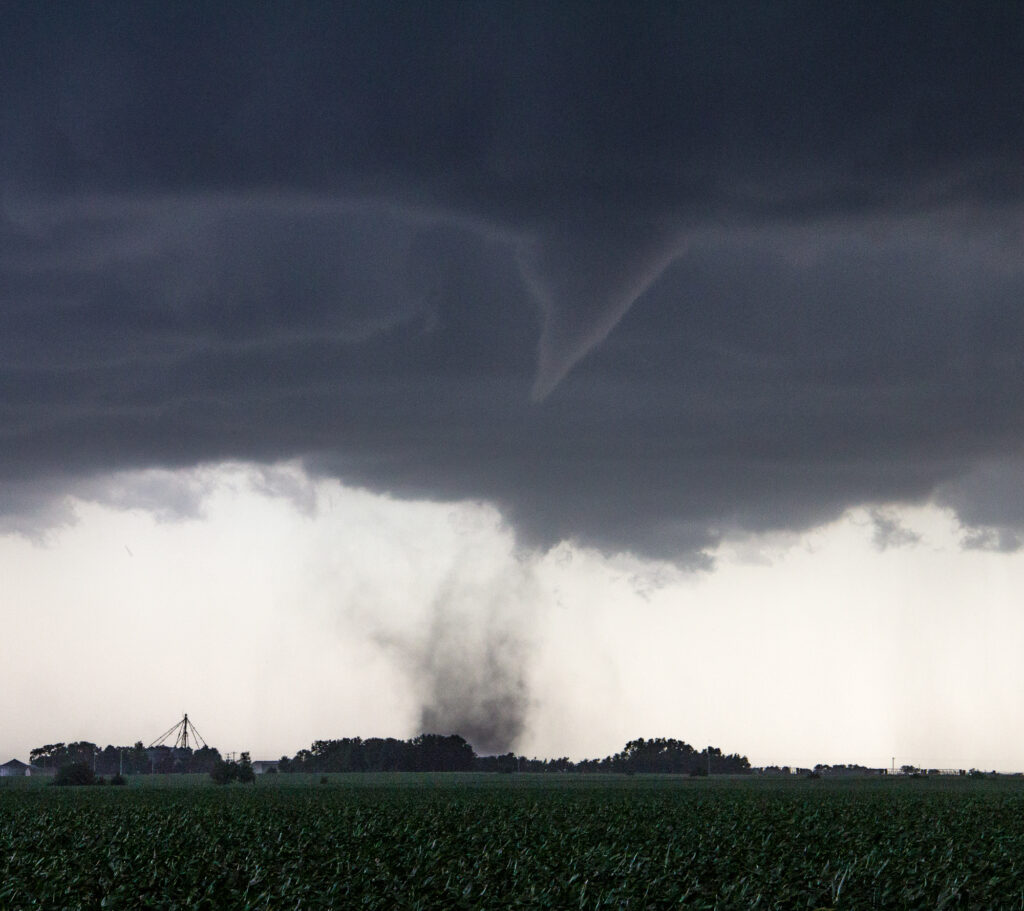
553	375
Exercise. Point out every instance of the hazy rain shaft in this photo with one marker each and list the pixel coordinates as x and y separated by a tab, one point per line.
468	656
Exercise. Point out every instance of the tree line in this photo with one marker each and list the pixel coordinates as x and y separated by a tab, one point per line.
425	753
126	760
452	753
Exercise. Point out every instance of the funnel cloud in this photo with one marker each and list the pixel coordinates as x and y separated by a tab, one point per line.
585	280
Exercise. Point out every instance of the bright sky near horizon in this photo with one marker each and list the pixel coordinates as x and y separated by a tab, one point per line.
287	610
555	374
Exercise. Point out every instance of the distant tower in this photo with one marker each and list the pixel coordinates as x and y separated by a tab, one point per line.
181	731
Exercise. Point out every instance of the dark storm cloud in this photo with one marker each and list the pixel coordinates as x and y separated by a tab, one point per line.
989	499
639	279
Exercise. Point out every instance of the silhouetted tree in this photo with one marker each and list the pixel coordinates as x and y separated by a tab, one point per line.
452	753
223	772
58	755
203	760
246	774
77	773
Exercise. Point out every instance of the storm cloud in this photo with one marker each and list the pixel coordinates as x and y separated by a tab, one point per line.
638	279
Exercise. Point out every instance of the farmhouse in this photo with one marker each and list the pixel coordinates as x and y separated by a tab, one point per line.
15	768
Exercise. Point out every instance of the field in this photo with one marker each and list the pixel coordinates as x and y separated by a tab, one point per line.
508	841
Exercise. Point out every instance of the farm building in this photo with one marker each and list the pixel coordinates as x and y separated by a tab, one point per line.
260	766
17	768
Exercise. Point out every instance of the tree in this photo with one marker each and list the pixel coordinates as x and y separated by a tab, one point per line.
136	760
108	761
164	762
204	759
245	773
224	772
440	753
77	773
47	757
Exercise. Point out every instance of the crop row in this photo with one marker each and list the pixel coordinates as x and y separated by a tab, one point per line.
489	847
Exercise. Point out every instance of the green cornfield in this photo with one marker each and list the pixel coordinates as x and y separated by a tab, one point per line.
508	841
